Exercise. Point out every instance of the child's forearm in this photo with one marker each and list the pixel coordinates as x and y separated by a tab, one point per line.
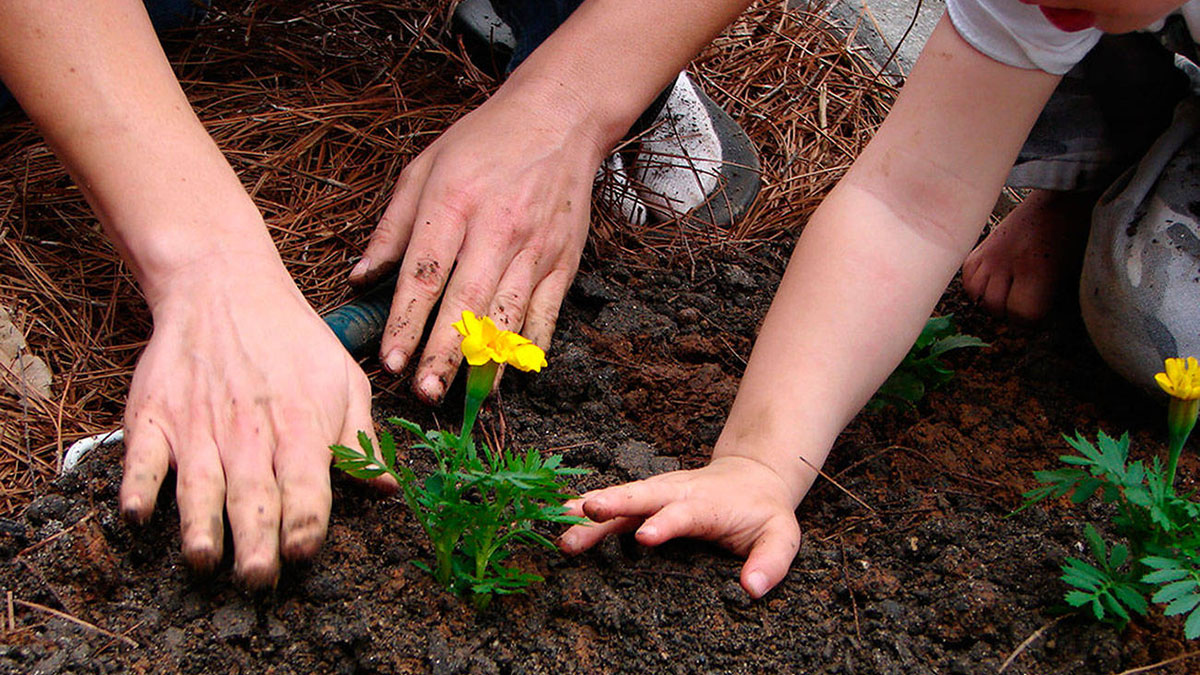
878	253
853	299
93	77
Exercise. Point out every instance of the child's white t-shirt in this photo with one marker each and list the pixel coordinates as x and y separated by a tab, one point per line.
1018	34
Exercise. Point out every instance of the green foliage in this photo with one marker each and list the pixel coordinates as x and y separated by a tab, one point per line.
1161	557
474	506
922	369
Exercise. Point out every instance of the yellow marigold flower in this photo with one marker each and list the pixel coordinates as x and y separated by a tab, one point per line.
483	342
1181	379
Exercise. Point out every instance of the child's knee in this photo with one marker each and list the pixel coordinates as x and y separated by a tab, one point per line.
1140	289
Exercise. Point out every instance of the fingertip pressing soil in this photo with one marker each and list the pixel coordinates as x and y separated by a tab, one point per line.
932	574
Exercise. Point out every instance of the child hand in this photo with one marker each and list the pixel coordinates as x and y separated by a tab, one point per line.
739	503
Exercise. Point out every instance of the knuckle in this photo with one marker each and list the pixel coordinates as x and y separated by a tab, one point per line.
454	203
473	294
427	277
410	178
509	232
510	305
199	479
386	237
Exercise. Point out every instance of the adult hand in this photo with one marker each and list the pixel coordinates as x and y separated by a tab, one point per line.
739	503
241	389
494	214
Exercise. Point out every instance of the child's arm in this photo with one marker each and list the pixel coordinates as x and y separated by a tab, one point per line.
867	271
242	387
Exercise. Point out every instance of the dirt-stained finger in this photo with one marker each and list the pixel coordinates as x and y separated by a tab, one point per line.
680	519
358	419
147	459
436	238
641	498
252	499
541	317
302	476
200	494
515	289
472	288
391	236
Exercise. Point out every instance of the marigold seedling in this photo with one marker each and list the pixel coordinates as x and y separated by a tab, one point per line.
479	501
923	369
1160	558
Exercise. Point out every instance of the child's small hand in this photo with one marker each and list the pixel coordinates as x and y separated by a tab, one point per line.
739	503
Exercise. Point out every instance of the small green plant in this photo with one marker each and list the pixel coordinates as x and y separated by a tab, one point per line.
479	500
922	369
1160	556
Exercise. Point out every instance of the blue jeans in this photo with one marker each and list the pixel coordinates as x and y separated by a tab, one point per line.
164	14
532	22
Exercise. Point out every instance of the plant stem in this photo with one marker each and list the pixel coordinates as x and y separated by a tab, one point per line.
479	385
1181	418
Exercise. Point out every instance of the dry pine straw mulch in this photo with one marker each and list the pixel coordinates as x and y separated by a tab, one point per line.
318	106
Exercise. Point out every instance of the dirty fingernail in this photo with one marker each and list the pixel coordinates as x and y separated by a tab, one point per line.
756	583
430	388
132	509
394	361
647	531
361	269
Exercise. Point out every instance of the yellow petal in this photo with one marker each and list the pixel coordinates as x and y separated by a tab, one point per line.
1174	368
468	325
1164	382
488	330
475	350
528	356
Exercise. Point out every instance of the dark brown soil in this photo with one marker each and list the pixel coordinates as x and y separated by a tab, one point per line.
932	578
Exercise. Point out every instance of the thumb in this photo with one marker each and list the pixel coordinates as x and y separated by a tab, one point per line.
771	556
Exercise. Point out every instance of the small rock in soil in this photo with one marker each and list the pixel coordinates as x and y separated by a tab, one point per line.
277	632
173	638
51	664
482	665
688	316
738	278
234	622
324	587
592	288
441	660
47	508
734	595
632	318
638	460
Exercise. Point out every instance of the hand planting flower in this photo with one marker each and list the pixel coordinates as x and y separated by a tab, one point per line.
479	500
